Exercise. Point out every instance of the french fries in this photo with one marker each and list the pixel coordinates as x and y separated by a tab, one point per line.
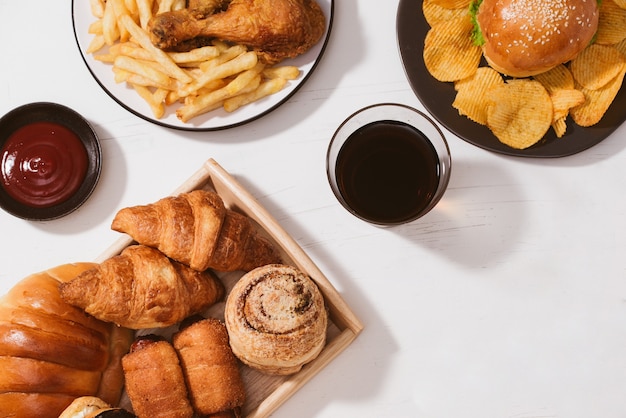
192	83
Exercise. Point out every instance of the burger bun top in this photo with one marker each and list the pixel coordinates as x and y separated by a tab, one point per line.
528	37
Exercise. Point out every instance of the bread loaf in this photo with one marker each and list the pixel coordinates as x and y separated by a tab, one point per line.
51	352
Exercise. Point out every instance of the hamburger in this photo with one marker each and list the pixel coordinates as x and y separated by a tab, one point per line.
521	38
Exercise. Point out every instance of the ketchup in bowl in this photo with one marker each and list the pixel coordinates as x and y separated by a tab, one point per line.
43	164
49	161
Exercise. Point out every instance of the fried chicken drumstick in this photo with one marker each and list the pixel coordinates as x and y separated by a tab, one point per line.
276	29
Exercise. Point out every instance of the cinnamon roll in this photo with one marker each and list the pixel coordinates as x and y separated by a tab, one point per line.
276	319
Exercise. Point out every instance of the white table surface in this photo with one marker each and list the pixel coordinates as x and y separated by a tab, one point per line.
508	300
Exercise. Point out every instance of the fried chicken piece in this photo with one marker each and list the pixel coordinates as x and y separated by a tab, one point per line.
208	6
276	29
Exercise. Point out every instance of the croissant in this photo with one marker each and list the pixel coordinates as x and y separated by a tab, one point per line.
51	352
196	229
210	367
142	288
154	380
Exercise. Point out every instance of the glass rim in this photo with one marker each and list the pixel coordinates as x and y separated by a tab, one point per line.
390	112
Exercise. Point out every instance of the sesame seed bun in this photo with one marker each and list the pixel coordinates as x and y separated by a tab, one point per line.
528	37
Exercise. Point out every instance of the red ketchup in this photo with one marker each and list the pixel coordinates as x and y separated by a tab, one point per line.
43	164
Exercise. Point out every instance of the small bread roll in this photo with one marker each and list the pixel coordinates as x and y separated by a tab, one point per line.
83	406
210	368
93	407
154	380
276	319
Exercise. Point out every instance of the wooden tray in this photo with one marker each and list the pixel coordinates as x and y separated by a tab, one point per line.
265	393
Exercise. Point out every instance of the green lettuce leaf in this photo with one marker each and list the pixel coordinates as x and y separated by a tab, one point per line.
477	35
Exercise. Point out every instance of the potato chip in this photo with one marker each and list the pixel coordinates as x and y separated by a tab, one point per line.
435	14
562	101
449	54
621	47
558	78
470	99
559	83
565	99
519	112
452	4
560	127
597	65
596	102
611	23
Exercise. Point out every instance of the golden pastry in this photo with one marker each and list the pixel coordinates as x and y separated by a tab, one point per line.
93	407
210	368
276	319
142	288
154	380
51	352
196	229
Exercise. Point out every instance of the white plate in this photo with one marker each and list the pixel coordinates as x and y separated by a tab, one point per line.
214	120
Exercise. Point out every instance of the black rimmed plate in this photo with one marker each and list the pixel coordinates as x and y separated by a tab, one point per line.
437	98
214	120
33	113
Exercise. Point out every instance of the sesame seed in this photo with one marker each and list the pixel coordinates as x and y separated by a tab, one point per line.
548	21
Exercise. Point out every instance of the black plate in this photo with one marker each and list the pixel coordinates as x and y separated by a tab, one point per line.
62	115
437	97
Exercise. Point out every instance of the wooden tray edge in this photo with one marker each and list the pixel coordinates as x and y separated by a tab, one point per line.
340	313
